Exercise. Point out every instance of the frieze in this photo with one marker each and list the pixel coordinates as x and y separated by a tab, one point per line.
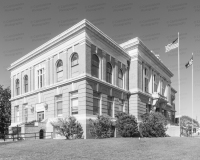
104	89
117	94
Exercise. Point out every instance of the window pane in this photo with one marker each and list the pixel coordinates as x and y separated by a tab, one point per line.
74	103
109	105
59	105
74	60
95	106
95	71
59	111
74	94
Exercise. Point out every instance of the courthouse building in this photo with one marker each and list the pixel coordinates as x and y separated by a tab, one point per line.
83	72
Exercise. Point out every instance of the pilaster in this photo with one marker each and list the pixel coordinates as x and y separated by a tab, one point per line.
104	66
116	73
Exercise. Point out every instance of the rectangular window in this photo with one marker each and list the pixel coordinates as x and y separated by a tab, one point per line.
26	114
96	103
110	105
17	114
40	116
148	108
59	105
40	78
74	103
121	105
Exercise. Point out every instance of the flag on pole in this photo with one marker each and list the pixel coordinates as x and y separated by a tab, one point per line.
172	45
190	62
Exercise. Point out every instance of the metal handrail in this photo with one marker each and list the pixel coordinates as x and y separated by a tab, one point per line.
19	136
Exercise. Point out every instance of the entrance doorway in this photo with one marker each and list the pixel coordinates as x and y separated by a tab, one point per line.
41	134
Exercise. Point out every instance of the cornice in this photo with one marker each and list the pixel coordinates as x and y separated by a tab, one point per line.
74	29
137	43
66	82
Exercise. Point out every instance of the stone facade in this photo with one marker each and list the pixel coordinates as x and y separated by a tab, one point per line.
82	72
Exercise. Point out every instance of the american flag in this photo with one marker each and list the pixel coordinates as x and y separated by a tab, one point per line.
189	63
172	45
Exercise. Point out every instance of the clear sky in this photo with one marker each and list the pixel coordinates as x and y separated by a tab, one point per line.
27	24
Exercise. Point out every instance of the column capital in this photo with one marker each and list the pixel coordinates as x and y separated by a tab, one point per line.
104	53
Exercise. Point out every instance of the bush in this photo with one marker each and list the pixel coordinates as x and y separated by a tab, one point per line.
68	127
101	127
126	125
153	125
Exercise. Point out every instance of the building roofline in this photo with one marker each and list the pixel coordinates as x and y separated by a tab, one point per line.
77	27
138	42
173	90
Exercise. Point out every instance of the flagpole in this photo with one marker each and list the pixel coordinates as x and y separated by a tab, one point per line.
179	86
192	90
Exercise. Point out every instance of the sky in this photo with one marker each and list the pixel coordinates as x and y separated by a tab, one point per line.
26	24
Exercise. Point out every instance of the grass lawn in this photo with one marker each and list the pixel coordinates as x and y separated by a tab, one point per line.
114	148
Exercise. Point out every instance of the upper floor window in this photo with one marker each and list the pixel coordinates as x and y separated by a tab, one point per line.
95	66
120	78
155	83
17	87
109	73
74	65
25	83
40	78
59	70
74	60
146	80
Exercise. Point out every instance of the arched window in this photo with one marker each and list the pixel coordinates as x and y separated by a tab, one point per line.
120	78
17	87
74	60
74	65
59	70
109	73
95	66
25	83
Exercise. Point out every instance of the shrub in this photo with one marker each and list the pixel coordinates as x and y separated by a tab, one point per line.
126	125
101	127
68	127
153	125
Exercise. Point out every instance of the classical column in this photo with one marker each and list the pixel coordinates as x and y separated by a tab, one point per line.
159	84
150	80
143	76
29	79
51	70
116	73
20	82
47	72
32	78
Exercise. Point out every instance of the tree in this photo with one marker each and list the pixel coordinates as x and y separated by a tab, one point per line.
126	125
153	125
5	110
68	127
101	127
186	125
